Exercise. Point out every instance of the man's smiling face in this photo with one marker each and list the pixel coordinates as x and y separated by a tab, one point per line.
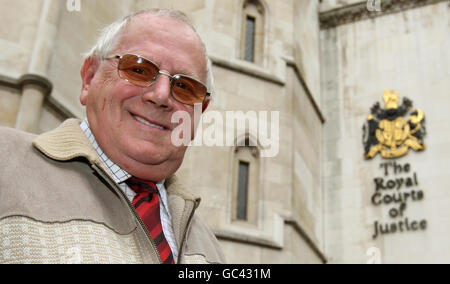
133	124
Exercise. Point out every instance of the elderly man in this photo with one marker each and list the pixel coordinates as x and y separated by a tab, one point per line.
103	190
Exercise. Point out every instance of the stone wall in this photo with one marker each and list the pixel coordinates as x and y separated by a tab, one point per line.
407	52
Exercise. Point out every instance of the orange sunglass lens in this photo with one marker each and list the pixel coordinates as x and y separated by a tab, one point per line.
188	91
137	70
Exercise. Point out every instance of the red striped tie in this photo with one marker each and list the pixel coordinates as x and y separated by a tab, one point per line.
146	203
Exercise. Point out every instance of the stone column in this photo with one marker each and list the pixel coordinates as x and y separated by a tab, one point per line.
46	35
34	90
34	85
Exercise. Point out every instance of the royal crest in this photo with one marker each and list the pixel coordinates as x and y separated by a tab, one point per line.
389	133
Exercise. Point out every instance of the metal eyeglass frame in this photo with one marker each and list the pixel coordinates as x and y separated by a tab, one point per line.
172	77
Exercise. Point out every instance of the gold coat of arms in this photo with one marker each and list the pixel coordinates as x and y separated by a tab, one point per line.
389	133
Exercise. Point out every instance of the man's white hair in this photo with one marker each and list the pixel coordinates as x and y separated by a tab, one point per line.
110	36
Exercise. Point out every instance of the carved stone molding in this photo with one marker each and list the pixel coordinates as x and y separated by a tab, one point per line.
27	79
360	11
43	84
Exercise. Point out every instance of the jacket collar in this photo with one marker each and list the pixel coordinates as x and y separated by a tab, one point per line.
68	142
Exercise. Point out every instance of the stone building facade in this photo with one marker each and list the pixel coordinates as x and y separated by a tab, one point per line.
403	48
321	66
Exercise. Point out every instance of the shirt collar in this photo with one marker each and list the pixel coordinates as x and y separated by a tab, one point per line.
118	174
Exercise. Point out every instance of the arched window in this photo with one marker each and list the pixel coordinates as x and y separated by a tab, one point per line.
252	38
246	183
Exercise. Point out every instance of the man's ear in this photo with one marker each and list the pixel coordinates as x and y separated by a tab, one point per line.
206	104
88	70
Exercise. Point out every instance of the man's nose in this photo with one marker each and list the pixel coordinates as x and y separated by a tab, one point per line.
159	92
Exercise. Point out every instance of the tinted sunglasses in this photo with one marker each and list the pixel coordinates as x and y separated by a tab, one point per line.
143	72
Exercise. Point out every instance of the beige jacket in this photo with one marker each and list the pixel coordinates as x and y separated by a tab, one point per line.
58	204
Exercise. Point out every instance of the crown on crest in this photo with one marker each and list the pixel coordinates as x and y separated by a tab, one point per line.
390	99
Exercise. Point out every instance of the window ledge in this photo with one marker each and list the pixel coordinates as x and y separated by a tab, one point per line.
247	239
247	68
